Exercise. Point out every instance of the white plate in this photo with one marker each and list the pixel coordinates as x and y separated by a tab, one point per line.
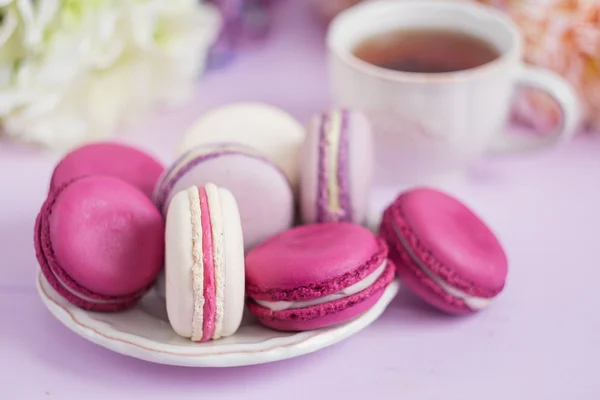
144	332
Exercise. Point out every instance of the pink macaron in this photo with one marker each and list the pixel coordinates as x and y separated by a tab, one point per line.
204	263
111	159
443	251
262	191
316	275
99	242
337	168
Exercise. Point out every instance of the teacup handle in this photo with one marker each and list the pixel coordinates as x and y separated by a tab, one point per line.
563	93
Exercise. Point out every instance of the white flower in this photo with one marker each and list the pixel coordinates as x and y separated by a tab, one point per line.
10	45
36	15
77	70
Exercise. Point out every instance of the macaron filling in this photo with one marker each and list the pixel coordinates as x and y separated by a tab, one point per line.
207	270
333	142
473	302
208	323
351	290
81	295
333	146
218	255
192	158
327	312
202	151
322	288
49	268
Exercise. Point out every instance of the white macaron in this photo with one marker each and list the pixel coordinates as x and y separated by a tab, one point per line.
268	129
204	264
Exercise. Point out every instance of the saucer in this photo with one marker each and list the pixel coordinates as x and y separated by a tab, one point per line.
144	332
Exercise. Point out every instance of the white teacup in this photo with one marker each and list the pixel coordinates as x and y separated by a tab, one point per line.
431	126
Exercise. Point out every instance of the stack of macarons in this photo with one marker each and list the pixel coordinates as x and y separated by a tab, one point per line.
272	166
99	238
259	211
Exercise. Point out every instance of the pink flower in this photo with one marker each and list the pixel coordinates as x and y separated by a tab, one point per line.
564	36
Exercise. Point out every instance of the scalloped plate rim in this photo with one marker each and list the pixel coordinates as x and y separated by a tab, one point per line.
229	355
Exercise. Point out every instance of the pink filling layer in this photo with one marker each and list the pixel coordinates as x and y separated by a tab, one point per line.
210	309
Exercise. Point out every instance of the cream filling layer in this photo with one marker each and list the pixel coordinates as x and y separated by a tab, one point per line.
473	302
218	237
349	291
333	134
206	149
202	151
197	270
81	295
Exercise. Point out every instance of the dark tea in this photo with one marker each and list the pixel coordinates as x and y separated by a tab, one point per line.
426	50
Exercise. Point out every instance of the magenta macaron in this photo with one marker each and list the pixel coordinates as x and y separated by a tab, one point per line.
337	168
316	275
99	242
111	159
444	252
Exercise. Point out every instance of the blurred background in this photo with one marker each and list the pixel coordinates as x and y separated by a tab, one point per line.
73	71
142	71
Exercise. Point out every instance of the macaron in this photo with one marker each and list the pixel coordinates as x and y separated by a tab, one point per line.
99	242
204	263
111	159
262	192
317	275
337	168
270	130
443	251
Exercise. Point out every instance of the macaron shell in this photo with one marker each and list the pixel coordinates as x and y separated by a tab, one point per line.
69	290
451	241
360	164
417	281
107	236
234	262
178	263
262	192
111	159
312	261
268	129
309	178
326	314
356	165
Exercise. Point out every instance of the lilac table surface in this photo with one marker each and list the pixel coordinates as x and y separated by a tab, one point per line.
540	340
